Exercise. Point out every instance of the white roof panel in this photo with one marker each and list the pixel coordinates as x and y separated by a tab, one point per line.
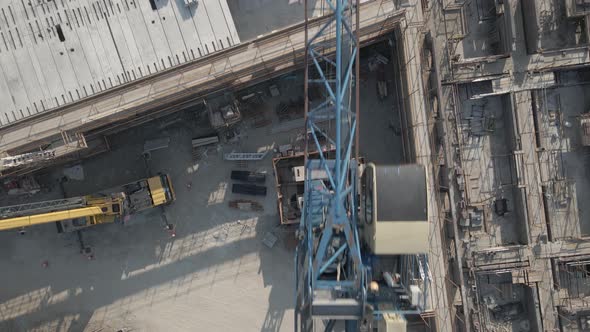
107	43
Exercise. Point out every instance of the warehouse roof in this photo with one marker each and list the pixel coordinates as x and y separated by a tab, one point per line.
56	52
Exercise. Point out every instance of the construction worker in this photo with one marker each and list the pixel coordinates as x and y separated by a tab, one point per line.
171	230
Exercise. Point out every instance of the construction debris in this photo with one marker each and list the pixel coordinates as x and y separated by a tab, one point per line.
199	153
241	164
269	240
75	172
201	145
376	61
585	129
254	98
21	159
274	91
480	122
203	141
166	124
248	189
382	89
290	110
245	155
155	144
284	150
261	122
245	205
288	126
24	185
224	116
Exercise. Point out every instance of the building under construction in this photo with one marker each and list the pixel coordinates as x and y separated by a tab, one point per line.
488	96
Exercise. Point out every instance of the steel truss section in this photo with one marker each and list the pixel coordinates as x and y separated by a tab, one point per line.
41	207
330	275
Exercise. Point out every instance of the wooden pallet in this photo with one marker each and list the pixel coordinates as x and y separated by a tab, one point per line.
198	153
246	205
241	163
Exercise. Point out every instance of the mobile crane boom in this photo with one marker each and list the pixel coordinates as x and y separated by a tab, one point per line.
96	209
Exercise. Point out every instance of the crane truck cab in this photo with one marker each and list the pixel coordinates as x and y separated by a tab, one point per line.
148	193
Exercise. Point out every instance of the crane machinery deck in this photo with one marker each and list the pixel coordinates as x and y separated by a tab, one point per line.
361	261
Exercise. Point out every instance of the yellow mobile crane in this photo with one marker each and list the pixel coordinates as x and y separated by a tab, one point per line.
71	214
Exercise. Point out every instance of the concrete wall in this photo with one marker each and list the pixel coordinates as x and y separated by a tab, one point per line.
534	315
518	194
531	27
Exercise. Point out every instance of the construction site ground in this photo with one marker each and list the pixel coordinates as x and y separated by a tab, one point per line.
216	274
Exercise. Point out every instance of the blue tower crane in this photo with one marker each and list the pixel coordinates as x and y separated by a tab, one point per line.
329	270
337	273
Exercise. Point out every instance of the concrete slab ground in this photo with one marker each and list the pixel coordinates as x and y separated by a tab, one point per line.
141	278
215	275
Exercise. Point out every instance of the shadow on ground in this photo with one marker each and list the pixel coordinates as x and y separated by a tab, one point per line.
169	272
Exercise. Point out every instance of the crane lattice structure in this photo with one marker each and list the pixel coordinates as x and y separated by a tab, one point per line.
330	276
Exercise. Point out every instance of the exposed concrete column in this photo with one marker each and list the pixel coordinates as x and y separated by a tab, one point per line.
412	32
534	205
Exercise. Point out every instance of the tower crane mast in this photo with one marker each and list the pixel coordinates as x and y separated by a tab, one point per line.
330	273
360	262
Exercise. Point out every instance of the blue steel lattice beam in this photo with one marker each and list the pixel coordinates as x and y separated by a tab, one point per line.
328	259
